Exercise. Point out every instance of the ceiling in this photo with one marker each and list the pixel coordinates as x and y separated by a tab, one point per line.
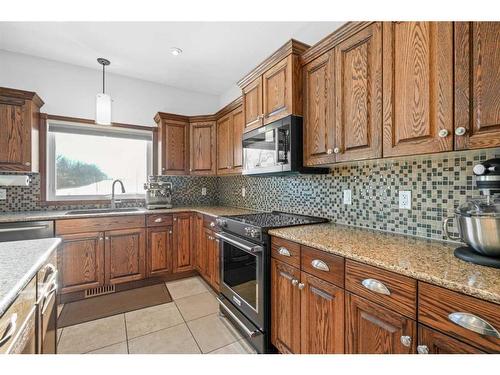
215	54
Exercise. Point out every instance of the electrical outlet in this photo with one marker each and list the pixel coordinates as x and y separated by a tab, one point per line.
405	199
3	194
347	196
203	191
243	192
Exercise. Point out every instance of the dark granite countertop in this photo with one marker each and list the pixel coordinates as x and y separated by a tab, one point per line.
19	262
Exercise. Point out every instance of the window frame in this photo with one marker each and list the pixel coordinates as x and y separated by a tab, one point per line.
48	180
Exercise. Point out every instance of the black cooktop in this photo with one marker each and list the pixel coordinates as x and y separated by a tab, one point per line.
276	219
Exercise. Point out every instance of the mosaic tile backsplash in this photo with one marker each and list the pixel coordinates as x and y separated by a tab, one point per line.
438	183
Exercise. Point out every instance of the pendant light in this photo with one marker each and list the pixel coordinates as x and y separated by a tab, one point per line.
103	101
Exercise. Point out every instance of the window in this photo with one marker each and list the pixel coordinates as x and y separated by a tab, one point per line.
83	160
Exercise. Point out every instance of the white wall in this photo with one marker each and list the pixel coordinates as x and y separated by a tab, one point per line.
69	90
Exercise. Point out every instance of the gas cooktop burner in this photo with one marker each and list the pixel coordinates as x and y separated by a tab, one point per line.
276	219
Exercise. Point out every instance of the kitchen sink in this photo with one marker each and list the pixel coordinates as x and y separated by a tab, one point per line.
103	211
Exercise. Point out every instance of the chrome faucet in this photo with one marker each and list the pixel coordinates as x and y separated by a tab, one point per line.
113	201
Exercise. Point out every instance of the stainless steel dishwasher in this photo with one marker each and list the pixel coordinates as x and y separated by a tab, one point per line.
29	230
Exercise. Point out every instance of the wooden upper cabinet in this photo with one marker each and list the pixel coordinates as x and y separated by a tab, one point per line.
224	144
159	251
418	87
238	120
19	130
182	250
434	342
373	329
125	255
319	110
173	144
252	104
358	73
81	261
203	148
477	85
322	317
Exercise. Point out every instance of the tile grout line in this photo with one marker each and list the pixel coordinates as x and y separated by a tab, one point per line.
187	326
126	332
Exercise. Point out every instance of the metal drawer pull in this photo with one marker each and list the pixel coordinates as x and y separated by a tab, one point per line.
284	251
237	320
47	297
158	220
320	265
212	225
422	349
376	286
406	341
474	323
295	282
11	328
286	275
321	293
49	270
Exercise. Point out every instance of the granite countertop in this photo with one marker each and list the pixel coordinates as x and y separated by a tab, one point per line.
426	260
19	262
57	215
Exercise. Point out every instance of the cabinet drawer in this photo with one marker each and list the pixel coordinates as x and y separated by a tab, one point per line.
98	224
158	220
323	265
286	251
467	318
12	320
389	289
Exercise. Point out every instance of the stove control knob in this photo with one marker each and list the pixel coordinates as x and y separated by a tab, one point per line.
252	232
221	222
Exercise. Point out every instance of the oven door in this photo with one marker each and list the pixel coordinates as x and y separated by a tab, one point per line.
242	266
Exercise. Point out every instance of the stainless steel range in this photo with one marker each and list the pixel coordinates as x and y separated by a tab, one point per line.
245	250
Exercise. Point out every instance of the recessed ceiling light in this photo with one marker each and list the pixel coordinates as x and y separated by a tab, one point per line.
175	51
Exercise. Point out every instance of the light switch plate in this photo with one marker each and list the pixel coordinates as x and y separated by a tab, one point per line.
243	192
405	199
203	191
3	194
347	196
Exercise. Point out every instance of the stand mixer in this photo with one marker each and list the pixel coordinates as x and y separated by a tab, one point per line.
158	193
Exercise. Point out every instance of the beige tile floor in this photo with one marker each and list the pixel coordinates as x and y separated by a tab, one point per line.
189	325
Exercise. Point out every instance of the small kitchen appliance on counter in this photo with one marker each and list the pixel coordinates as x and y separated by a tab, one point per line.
158	193
478	219
245	266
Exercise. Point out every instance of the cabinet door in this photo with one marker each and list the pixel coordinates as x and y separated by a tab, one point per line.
319	111
278	84
176	150
238	123
15	131
418	87
358	72
372	329
321	317
285	307
216	263
203	153
477	84
183	255
125	255
81	261
159	251
224	145
209	256
434	342
199	253
252	104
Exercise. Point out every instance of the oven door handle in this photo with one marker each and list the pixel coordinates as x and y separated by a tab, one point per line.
237	320
248	249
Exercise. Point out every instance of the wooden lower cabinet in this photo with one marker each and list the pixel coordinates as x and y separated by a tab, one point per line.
373	329
81	261
321	317
285	307
182	250
125	255
198	239
159	251
212	259
434	342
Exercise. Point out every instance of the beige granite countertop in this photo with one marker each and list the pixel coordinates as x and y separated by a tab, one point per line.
426	260
7	217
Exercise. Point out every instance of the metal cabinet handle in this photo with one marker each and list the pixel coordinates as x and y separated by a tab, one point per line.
320	265
301	286
336	150
443	133
169	232
460	131
376	286
474	323
49	270
422	349
212	224
447	232
329	151
295	282
27	164
175	219
284	251
47	296
158	220
406	341
11	328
